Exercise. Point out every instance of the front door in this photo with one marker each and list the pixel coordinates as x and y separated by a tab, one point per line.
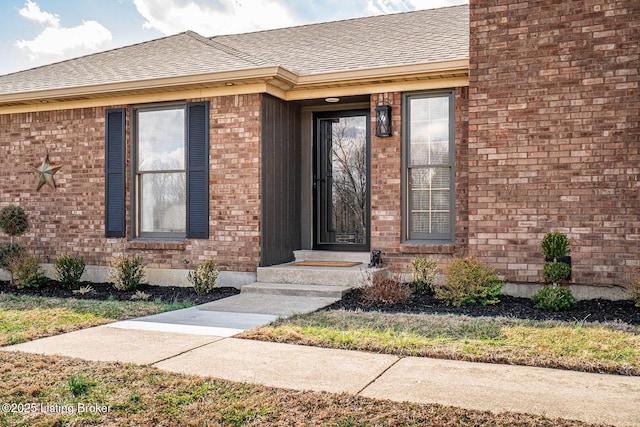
341	180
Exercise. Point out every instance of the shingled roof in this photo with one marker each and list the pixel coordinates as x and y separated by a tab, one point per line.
418	37
378	41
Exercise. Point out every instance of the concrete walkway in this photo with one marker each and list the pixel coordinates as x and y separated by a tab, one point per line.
198	341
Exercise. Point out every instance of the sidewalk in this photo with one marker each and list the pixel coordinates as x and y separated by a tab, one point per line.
210	351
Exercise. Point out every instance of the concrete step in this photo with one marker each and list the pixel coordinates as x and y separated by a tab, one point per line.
291	289
309	255
330	276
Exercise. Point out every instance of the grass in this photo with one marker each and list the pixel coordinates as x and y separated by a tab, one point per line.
24	318
610	348
145	396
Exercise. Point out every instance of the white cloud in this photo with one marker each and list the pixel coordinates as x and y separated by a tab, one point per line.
225	17
56	39
378	7
33	12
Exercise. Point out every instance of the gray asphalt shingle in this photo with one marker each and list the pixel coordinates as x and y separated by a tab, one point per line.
399	39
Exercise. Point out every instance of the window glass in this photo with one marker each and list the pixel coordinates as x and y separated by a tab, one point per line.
161	140
163	203
160	175
429	130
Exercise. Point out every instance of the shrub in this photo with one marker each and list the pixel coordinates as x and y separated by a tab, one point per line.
633	287
127	272
555	272
79	385
385	289
554	298
25	271
466	281
555	245
203	277
69	270
140	296
84	290
424	274
13	220
8	251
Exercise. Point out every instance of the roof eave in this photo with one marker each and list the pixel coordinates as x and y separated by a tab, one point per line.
388	72
287	84
144	86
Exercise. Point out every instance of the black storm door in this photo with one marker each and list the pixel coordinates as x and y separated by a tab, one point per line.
341	180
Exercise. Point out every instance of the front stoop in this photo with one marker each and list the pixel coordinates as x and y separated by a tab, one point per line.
309	255
297	290
328	276
324	282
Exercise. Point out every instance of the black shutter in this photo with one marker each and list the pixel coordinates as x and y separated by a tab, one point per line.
198	170
115	141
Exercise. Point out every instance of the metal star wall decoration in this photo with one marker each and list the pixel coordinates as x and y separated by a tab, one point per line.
45	171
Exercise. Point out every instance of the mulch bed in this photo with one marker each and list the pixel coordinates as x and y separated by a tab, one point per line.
104	291
597	310
521	308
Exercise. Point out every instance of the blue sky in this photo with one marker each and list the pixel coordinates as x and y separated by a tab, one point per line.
38	32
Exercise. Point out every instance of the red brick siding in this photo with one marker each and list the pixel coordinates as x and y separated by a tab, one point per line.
386	187
235	181
71	218
554	107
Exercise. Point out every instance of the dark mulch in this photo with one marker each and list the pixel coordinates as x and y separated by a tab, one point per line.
521	308
103	291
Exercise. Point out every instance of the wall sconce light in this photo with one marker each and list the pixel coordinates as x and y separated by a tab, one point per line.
383	120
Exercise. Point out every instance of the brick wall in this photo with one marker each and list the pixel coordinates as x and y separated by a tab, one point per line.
235	181
386	187
71	218
554	107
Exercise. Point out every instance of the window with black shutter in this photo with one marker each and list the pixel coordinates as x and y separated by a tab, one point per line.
170	178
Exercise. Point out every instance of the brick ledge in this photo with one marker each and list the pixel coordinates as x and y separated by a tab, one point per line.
156	245
426	248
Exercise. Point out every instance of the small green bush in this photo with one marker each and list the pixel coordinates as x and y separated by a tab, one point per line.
79	385
69	269
13	220
385	289
8	251
467	281
554	298
127	272
424	274
555	245
556	272
633	287
203	277
26	271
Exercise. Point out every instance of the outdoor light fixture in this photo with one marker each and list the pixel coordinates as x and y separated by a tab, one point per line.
383	120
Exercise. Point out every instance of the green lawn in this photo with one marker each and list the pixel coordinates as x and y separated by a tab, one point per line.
24	318
612	348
